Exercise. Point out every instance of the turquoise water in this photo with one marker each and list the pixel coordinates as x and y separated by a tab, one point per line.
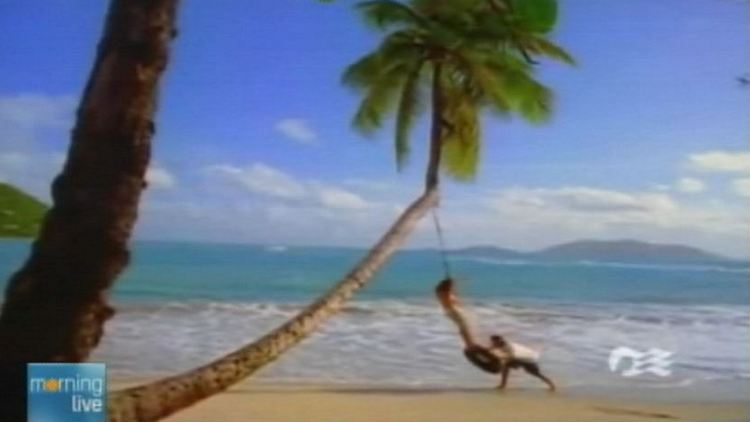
180	304
185	271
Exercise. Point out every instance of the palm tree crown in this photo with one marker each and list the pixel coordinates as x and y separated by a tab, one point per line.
476	53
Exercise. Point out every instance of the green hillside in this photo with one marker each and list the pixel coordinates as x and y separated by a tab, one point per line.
20	213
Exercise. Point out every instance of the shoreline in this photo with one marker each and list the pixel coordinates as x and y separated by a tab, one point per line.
282	402
720	392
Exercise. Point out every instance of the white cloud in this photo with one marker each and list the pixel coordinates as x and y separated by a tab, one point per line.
742	187
585	199
13	159
263	221
264	180
519	217
297	130
586	211
372	185
721	161
24	119
528	218
261	179
690	185
31	171
333	197
160	178
274	207
34	111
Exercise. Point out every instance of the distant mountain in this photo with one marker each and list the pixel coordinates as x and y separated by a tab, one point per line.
625	251
628	251
490	252
20	213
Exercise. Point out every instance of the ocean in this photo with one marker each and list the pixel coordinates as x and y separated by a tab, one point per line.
181	304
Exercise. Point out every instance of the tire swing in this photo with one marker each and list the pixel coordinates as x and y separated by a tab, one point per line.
484	360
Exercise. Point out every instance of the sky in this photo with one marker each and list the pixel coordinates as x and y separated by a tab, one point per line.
649	138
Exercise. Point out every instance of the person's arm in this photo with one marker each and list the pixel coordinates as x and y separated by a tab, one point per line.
504	377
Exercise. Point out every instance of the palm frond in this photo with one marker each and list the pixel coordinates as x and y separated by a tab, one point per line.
362	72
445	8
461	130
380	75
396	48
384	14
484	78
380	99
509	86
531	99
485	49
544	47
410	107
537	16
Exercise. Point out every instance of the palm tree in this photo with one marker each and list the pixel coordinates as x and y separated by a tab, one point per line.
474	54
470	64
56	304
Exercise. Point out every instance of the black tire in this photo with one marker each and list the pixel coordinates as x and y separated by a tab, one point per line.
484	359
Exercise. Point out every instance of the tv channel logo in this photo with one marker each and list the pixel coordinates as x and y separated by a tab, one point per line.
66	392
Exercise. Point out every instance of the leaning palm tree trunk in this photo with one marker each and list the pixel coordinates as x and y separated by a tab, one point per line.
157	400
56	304
151	402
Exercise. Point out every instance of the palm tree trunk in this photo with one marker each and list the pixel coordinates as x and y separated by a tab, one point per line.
56	304
436	131
164	397
154	401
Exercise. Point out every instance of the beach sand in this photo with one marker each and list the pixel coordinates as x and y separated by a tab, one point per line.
315	403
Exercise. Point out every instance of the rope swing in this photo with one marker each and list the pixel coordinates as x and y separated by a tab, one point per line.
441	244
481	357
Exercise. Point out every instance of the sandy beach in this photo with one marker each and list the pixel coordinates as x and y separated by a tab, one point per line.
317	403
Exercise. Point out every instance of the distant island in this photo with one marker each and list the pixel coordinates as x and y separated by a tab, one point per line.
20	213
623	251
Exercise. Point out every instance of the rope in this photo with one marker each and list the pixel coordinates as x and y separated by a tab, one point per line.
441	241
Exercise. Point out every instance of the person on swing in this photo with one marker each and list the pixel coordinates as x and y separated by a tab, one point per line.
501	356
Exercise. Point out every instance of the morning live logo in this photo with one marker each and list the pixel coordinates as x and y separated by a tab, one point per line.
66	392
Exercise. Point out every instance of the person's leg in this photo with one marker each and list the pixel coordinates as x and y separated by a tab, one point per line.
547	381
533	369
448	300
463	327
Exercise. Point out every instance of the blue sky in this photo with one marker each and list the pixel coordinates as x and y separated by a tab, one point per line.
649	139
